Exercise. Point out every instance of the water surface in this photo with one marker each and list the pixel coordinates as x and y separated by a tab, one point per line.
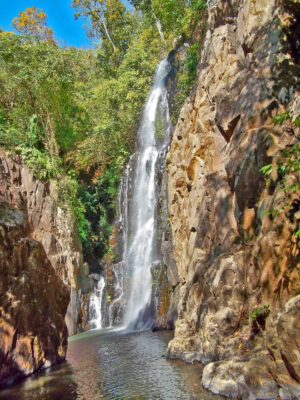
114	365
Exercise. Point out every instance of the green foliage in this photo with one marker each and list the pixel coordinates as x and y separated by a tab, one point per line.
9	135
287	164
159	126
297	234
68	190
116	101
281	118
192	61
32	133
176	17
186	76
170	13
112	24
285	116
267	169
261	311
40	162
99	200
38	79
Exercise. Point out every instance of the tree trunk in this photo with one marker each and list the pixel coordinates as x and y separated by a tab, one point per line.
108	35
159	27
158	24
51	143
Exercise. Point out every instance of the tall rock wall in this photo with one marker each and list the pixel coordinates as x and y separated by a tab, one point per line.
33	301
233	257
41	273
53	227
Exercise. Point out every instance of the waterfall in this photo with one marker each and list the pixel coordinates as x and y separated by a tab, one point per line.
138	211
95	305
132	304
141	249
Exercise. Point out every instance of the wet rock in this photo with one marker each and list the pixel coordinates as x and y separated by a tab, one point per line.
172	313
114	304
161	295
73	311
164	297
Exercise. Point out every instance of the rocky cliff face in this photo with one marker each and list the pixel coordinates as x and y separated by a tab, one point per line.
51	226
41	273
238	265
33	301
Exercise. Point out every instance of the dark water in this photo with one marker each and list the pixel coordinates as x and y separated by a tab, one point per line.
111	366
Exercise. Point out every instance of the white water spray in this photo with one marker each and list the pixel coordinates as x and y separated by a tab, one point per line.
132	304
95	305
140	239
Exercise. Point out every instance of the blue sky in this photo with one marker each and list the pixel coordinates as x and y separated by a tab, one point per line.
60	19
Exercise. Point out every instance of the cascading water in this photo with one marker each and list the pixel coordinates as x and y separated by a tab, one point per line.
140	251
95	305
131	307
138	211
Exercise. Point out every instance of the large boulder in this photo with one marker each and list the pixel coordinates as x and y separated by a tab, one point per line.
274	370
33	302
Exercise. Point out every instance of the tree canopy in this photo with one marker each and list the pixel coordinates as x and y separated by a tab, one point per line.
33	21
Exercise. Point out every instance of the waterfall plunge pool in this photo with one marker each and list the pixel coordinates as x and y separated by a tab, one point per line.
112	365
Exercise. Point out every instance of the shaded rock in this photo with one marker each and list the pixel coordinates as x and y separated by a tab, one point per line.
33	302
210	309
161	295
172	313
283	343
272	372
237	379
50	225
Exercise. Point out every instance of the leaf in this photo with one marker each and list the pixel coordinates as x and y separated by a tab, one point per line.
267	169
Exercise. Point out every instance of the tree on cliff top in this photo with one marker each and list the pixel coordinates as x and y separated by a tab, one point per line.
32	22
110	23
95	10
173	17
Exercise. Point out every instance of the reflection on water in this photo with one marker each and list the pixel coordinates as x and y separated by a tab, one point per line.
114	365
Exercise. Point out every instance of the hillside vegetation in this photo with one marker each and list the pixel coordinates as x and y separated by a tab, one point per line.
72	114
